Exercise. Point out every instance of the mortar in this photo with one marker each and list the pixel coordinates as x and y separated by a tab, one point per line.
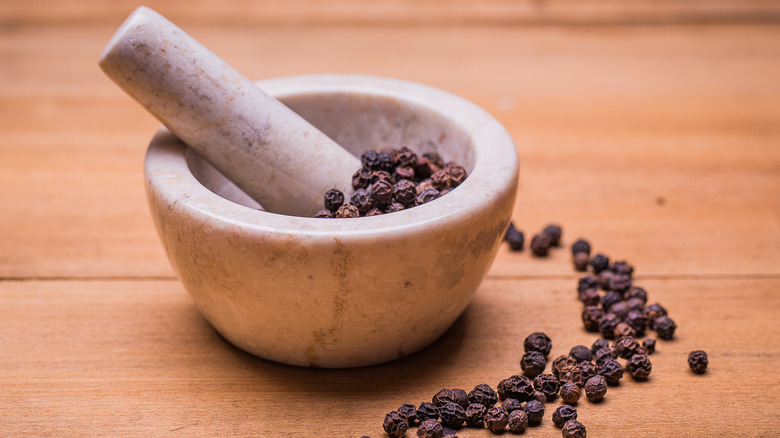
340	292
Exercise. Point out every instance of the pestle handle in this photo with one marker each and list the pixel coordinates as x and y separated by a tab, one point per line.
266	149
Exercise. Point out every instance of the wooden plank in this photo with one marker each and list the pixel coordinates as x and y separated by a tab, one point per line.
400	12
120	358
607	122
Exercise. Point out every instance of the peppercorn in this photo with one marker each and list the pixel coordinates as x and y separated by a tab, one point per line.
538	341
560	362
580	261
540	245
548	385
599	262
642	350
457	174
395	424
636	319
370	159
518	421
385	162
623	329
611	370
607	325
581	353
533	363
463	398
535	411
596	388
405	157
394	206
554	233
573	429
598	345
475	415
427	196
382	192
625	346
570	393
334	199
361	179
563	414
444	396
571	374
580	246
649	344
496	419
619	283
441	180
511	404
517	386
665	327
324	213
636	292
587	282
698	361
347	211
636	303
587	370
590	297
409	411
609	299
404	192
539	396
621	268
652	312
362	200
514	237
381	175
452	415
483	394
434	158
430	429
639	366
604	277
619	308
426	411
373	212
424	168
604	354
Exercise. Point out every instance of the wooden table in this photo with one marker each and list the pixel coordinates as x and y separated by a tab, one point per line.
650	128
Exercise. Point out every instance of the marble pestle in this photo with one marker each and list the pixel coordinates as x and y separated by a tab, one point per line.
270	152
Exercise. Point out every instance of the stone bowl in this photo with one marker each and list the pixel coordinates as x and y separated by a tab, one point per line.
339	293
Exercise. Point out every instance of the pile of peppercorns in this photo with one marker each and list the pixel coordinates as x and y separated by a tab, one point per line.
613	307
391	181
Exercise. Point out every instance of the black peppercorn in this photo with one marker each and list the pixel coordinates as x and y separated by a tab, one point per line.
607	325
403	172
444	396
475	415
539	396
334	199
463	398
581	353
560	362
604	354
405	193
517	386
324	213
518	421
362	200
385	162
611	370
596	388
511	404
441	180
599	263
609	299
636	319
409	411
639	366
394	206
580	246
570	393
533	363
452	415
622	268
427	196
598	345
623	329
434	158
361	179
653	311
580	261
381	175
427	410
698	361
347	211
587	282
635	303
374	212
604	277
636	292
496	419
483	394
665	327
571	374
430	429
563	414
540	245
590	297
619	308
535	411
538	341
405	157
554	233
370	159
548	385
649	344
573	429
625	346
514	237
424	168
587	370
619	283
382	192
395	424
457	174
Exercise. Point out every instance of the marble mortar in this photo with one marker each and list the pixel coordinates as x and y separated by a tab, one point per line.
340	292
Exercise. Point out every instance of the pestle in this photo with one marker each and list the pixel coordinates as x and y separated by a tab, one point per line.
266	149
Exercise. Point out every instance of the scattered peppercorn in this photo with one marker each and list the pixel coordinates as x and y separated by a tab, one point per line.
538	341
518	421
590	297
587	282
430	429
581	353
598	345
611	370
653	312
636	319
548	384
587	370
483	394
636	292
324	213
625	346
649	344
580	246
514	237
463	399
496	419
607	325
425	411
561	362
475	415
639	366
570	374
619	282
409	411
511	404
535	411
604	354
563	414
395	424
517	386
333	199
698	361
540	245
619	308
533	363
570	393
595	388
452	415
665	327
554	232
599	263
573	429
580	261
347	211
621	268
610	298
444	396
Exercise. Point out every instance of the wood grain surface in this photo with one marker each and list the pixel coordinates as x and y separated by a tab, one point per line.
650	128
